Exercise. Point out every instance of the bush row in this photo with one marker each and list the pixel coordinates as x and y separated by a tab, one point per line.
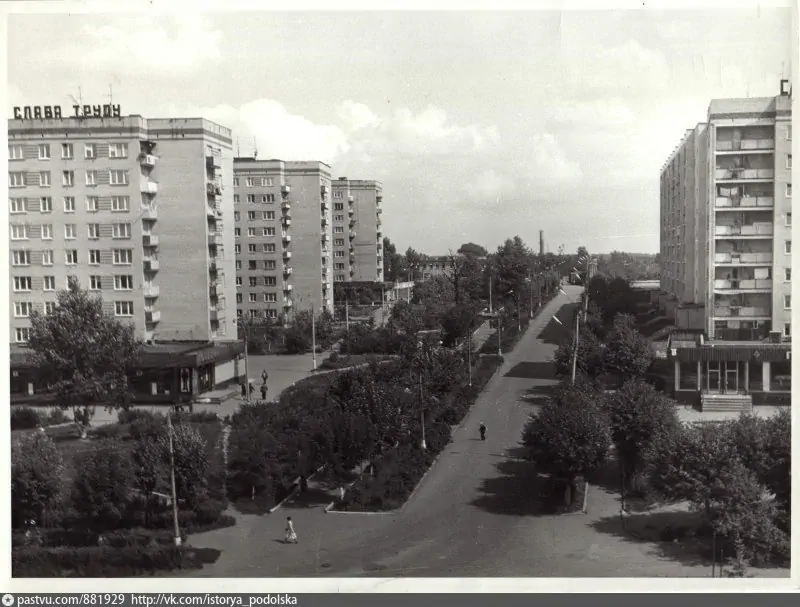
28	418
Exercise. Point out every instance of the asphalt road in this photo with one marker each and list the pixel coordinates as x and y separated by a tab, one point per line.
468	515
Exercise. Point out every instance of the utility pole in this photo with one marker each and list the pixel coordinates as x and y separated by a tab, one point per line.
177	529
499	335
490	293
575	349
422	412
347	316
383	304
313	337
469	354
246	363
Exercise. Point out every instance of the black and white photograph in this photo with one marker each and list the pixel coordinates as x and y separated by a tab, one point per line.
360	292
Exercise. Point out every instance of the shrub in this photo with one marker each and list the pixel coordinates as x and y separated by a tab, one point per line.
128	416
107	431
56	417
191	462
101	488
36	478
107	561
25	418
147	424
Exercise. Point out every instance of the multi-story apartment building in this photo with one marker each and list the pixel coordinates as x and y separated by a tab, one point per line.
283	232
726	215
357	230
137	210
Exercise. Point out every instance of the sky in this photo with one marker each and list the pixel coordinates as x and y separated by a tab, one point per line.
481	125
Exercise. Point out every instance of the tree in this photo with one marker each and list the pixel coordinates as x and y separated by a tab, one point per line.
470	249
101	489
778	445
639	416
414	261
591	355
628	353
254	467
455	273
83	354
457	323
405	318
512	265
149	471
569	437
395	267
36	478
191	462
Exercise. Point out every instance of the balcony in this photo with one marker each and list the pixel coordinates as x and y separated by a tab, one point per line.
288	288
211	212
323	220
213	189
746	145
152	315
287	271
213	315
323	191
286	190
742	334
287	254
149	212
212	267
149	240
352	222
747	202
147	160
763	285
323	206
214	240
150	188
379	198
741	312
286	221
350	199
351	211
379	211
287	303
150	290
379	234
213	162
151	265
287	238
286	206
743	259
755	230
212	290
744	174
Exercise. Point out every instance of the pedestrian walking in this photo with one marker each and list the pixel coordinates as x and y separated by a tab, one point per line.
244	390
291	536
252	388
264	376
482	430
263	391
341	493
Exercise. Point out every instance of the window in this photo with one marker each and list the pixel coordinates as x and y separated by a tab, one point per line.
251	297
120	204
338	266
95	283
251	265
787	329
339	242
238	281
91	178
787	247
236	198
49	283
49	307
787	302
71	257
47	257
69	231
338	206
67	151
68	178
251	248
269	215
44	179
270	281
269	264
22	309
94	257
338	195
238	298
251	198
253	281
788	161
338	229
16	180
236	182
788	219
237	249
789	132
46	204
270	198
47	231
248	182
121	230
787	274
19	232
339	278
44	151
236	216
338	217
123	257
94	231
266	182
788	190
22	334
90	151
237	264
118	150
18	205
118	177
272	313
123	282
69	204
269	231
237	232
251	231
20	258
22	284
338	253
16	152
123	308
251	215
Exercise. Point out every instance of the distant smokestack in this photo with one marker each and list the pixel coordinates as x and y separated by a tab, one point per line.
541	242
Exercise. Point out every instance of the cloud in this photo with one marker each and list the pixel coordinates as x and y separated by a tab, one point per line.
146	46
549	162
489	188
602	113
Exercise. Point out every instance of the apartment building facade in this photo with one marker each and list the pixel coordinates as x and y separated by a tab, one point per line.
283	232
357	230
726	198
139	211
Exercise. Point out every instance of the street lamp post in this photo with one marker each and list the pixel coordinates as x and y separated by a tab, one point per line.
575	349
176	526
422	413
246	361
469	354
313	337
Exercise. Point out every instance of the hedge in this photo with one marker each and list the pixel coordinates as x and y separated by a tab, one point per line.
102	561
28	418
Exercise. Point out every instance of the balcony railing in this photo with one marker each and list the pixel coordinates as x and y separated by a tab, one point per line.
379	210
743	258
152	315
756	230
147	160
286	237
213	189
744	174
287	271
286	221
150	240
351	199
214	240
745	145
287	303
149	212
151	265
150	290
741	312
352	234
743	284
149	187
287	254
748	202
742	334
213	315
213	162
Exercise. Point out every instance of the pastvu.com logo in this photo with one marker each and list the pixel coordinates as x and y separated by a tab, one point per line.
8	600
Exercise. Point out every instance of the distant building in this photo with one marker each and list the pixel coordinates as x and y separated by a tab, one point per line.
726	216
357	230
283	234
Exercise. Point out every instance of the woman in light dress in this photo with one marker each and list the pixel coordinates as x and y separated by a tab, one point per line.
291	536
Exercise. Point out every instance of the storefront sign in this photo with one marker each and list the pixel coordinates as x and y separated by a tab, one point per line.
54	112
